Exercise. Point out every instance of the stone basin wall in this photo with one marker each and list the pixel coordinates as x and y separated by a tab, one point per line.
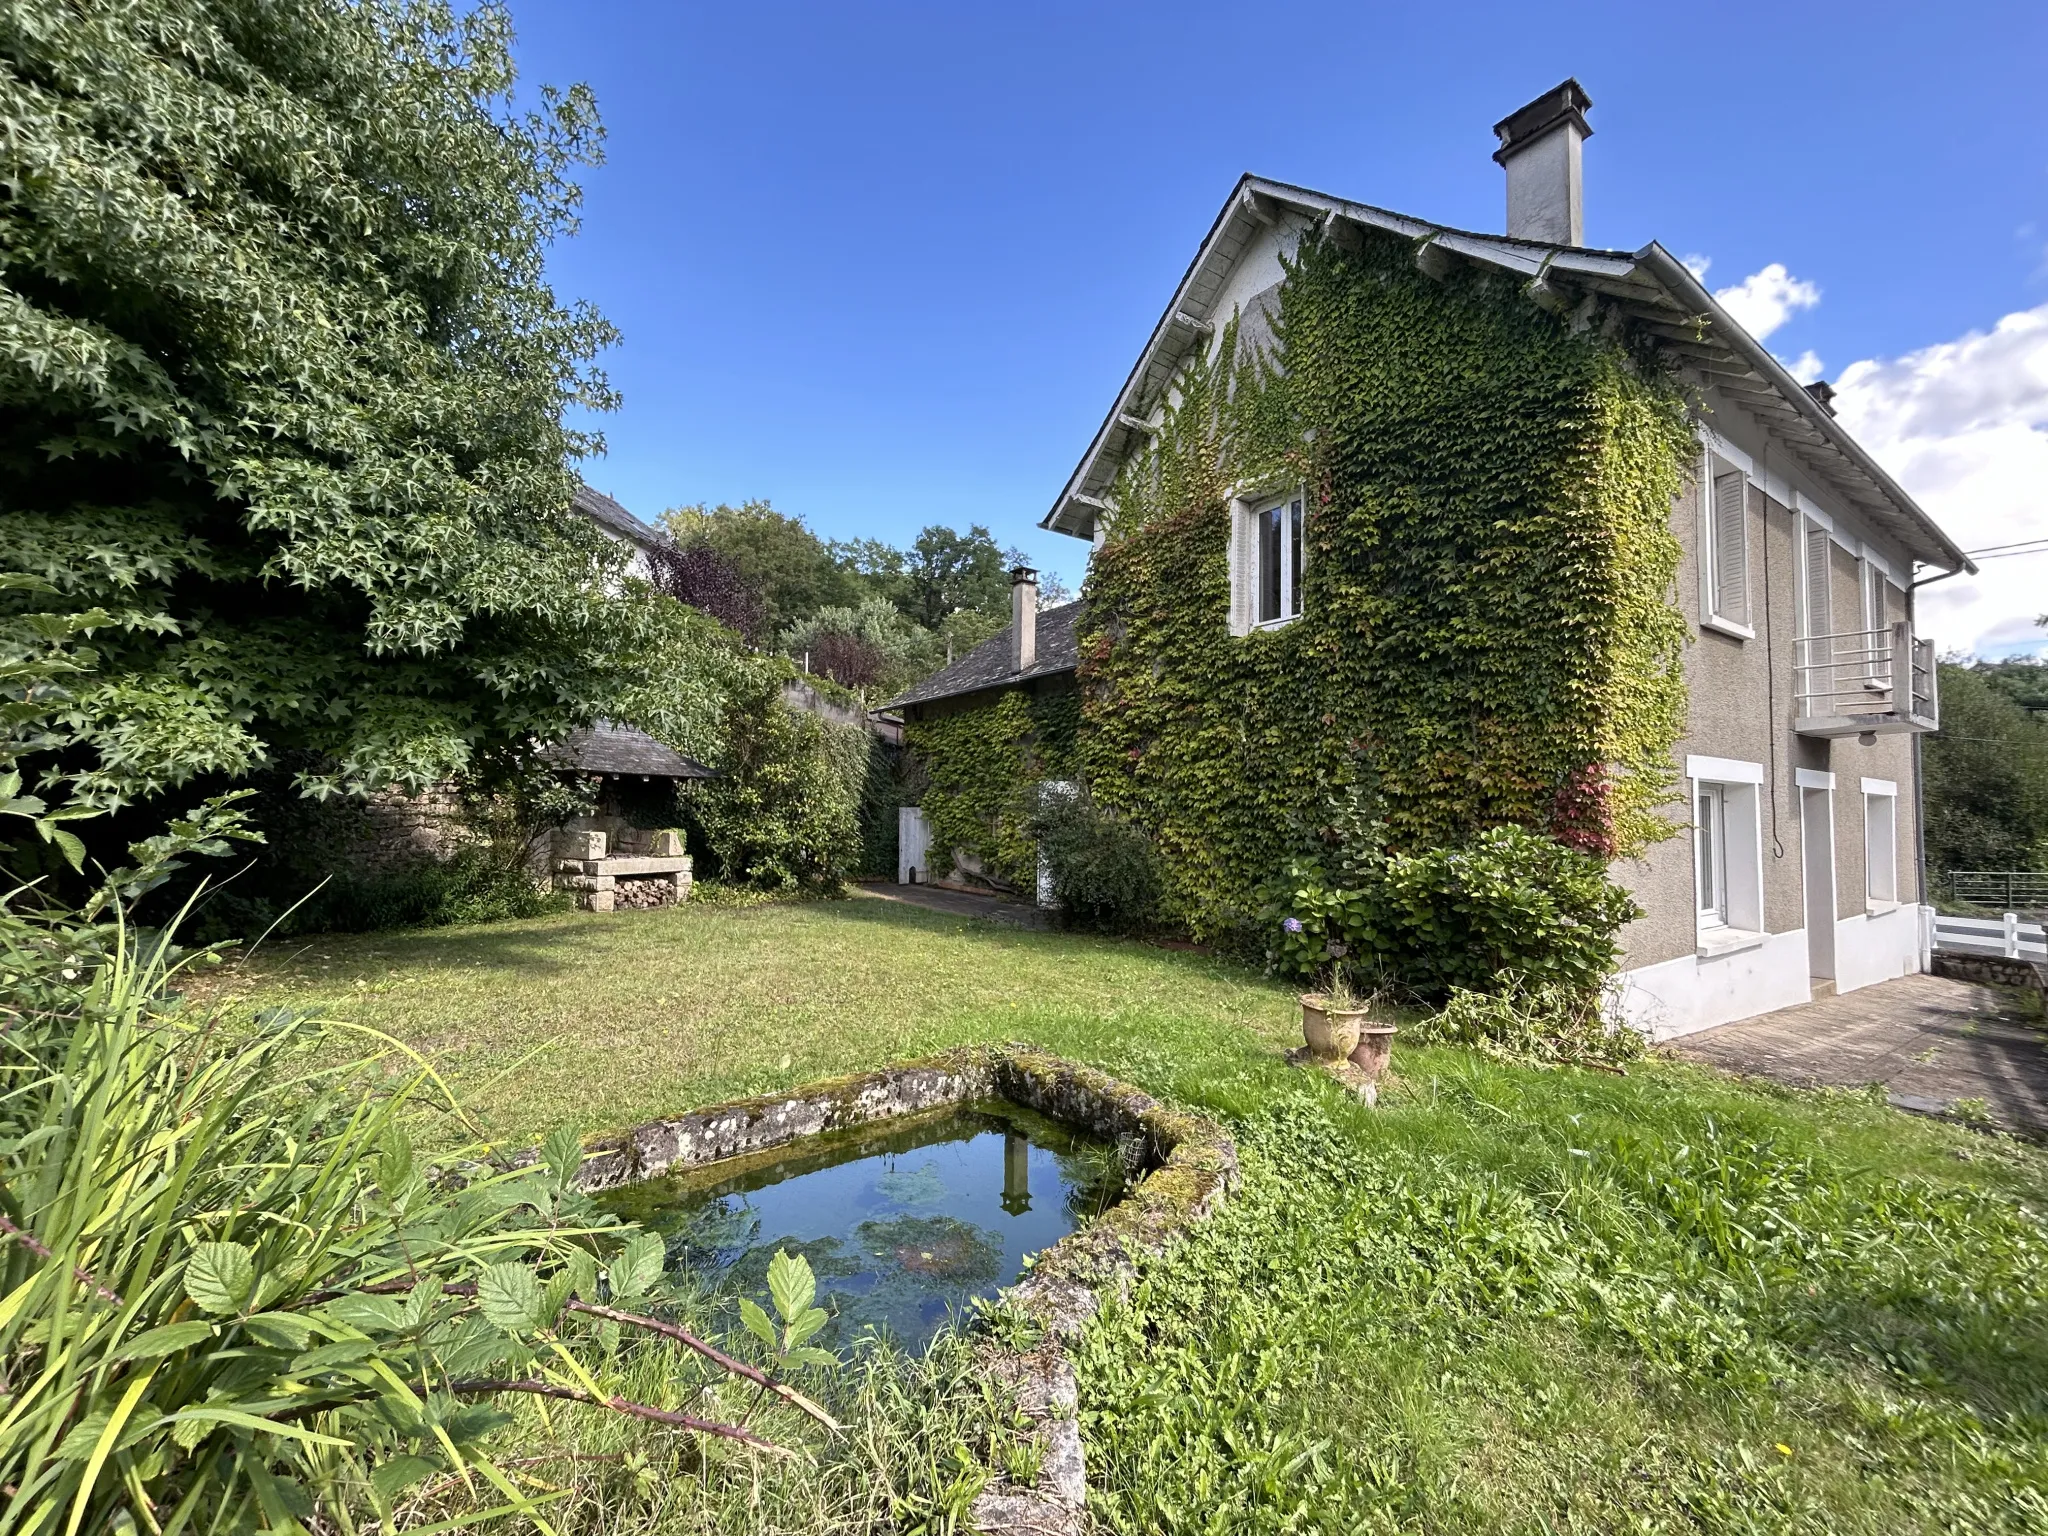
1185	1166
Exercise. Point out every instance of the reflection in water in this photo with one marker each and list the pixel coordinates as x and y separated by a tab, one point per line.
1016	1173
901	1230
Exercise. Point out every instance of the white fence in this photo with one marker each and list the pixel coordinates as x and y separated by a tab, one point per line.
2005	935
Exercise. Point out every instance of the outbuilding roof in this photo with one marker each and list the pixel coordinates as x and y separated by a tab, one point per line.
608	748
1649	287
988	664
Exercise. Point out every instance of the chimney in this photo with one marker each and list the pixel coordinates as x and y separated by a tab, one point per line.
1023	618
1823	394
1539	149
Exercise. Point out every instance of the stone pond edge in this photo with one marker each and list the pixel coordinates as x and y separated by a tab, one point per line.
1192	1164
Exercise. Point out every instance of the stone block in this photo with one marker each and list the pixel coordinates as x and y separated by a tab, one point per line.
667	845
595	901
582	845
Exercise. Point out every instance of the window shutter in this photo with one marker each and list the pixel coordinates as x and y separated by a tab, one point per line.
1819	621
1731	550
1879	618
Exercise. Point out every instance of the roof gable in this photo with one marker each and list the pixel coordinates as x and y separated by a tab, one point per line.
1649	287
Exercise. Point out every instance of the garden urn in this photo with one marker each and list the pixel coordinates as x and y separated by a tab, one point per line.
1331	1033
1375	1045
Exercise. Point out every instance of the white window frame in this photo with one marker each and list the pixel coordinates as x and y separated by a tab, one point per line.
1727	853
1248	559
1710	853
1880	845
1716	469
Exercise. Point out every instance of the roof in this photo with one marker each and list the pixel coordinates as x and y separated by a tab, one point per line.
608	748
612	517
988	664
1650	287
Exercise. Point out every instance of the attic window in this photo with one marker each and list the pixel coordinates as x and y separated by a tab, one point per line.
1265	562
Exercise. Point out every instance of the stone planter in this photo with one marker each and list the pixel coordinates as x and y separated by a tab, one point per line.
1332	1034
1375	1045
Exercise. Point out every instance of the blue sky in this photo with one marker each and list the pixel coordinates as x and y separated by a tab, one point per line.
886	265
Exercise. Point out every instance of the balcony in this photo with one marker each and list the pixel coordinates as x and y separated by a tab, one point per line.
1865	682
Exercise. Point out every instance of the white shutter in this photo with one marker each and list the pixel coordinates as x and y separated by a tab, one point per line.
1819	619
1731	549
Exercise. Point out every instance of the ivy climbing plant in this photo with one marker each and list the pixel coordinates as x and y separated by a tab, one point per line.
981	763
1486	638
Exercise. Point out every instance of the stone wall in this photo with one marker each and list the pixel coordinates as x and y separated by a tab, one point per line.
1992	970
398	829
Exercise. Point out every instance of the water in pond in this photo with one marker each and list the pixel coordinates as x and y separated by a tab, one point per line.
902	1229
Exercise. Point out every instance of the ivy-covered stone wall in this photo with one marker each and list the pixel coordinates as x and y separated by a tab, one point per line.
1487	633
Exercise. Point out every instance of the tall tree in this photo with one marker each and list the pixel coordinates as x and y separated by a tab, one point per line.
789	567
948	572
282	386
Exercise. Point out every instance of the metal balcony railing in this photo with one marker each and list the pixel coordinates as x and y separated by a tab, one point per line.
1865	681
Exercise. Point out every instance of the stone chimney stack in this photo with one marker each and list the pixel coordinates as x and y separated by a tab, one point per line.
1023	618
1539	149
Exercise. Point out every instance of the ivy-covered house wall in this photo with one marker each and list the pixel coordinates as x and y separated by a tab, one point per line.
1486	634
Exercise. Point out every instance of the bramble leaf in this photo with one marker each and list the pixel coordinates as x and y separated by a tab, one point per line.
219	1277
509	1297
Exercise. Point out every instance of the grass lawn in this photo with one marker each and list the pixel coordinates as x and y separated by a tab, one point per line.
1508	1300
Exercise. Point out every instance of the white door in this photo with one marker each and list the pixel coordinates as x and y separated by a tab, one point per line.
913	846
1817	840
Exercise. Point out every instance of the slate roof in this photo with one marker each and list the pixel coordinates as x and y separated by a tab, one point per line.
988	664
608	748
612	517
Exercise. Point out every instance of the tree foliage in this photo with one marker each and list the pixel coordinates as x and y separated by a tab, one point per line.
1986	783
284	385
789	571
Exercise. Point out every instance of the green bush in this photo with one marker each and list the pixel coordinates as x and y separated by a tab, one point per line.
1511	900
1105	872
783	812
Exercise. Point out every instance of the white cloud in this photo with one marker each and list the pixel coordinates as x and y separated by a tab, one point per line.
1765	300
1697	265
1963	425
1806	367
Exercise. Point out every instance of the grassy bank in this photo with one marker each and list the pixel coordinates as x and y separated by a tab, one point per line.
1508	1300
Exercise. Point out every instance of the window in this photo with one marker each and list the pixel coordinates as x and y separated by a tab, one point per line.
1819	608
1724	557
1880	842
1280	561
1710	843
1266	560
1727	852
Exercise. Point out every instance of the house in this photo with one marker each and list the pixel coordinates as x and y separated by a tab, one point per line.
1491	500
